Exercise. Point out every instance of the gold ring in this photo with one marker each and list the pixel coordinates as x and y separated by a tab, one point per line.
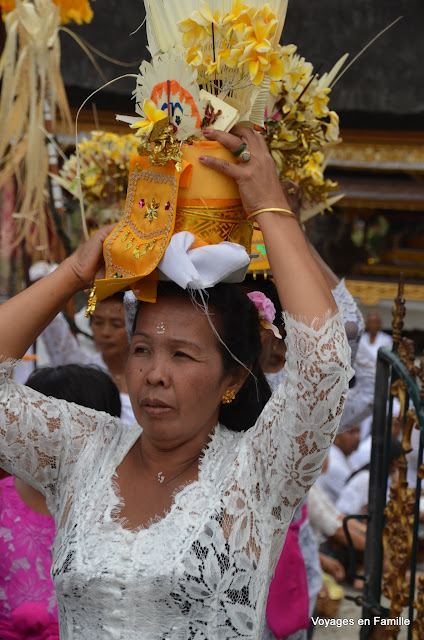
245	156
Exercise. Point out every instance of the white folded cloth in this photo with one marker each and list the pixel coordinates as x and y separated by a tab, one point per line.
202	267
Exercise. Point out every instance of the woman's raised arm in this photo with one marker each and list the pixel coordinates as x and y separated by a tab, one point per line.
23	317
302	288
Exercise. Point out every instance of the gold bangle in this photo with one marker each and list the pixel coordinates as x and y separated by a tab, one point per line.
287	212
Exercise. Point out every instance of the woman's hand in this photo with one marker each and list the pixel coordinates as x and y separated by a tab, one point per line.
23	317
302	289
333	567
256	179
87	261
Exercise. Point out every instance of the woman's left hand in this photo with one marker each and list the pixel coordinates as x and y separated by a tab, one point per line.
256	179
301	287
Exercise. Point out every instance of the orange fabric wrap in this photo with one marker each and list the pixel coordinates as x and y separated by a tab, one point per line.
161	201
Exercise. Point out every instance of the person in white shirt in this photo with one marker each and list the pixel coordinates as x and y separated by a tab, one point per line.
362	455
354	496
339	470
373	338
369	344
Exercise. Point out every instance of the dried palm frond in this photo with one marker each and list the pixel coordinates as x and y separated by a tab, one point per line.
32	86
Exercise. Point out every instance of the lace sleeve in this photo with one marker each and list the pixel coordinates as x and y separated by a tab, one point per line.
280	458
62	347
41	438
352	317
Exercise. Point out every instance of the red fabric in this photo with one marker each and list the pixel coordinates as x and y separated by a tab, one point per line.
287	608
29	621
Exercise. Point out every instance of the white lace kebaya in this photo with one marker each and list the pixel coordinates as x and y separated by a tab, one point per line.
202	571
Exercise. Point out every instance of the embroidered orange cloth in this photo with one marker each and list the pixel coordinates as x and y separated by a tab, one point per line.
162	201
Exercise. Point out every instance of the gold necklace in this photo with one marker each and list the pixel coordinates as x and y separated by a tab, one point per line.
161	477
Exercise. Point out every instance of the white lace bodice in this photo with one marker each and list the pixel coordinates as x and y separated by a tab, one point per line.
202	571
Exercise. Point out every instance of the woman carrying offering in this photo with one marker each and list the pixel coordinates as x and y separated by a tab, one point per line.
172	528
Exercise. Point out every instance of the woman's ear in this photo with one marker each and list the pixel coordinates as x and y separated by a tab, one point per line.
238	377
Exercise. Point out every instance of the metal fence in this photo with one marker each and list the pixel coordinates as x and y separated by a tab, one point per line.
392	543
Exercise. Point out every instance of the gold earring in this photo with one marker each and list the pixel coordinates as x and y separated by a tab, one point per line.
229	397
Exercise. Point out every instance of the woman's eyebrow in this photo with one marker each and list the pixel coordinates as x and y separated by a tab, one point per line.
174	341
183	341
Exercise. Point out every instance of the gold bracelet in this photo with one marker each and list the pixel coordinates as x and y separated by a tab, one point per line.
287	212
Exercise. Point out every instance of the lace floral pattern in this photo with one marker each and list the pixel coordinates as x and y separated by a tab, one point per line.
26	541
203	570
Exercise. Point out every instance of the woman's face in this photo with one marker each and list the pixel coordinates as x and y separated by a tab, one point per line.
174	373
108	327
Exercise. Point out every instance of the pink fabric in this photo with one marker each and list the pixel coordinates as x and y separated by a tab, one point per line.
28	607
31	621
287	607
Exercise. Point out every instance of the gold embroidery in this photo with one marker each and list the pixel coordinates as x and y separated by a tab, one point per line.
216	224
130	221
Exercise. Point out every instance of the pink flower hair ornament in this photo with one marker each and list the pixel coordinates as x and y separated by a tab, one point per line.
266	311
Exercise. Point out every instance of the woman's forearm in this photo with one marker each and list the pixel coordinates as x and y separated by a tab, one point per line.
330	277
23	317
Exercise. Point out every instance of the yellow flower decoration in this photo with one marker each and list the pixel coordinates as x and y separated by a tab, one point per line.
320	103
313	167
300	127
243	39
104	168
332	127
250	45
194	57
198	27
240	13
153	115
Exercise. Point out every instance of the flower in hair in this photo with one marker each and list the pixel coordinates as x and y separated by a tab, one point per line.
266	311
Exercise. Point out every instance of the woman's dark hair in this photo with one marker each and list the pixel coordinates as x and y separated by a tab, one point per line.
87	386
237	322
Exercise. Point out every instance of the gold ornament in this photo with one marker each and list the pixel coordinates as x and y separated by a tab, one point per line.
229	397
92	301
162	149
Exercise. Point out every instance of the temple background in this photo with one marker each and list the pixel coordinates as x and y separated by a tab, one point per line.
378	229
